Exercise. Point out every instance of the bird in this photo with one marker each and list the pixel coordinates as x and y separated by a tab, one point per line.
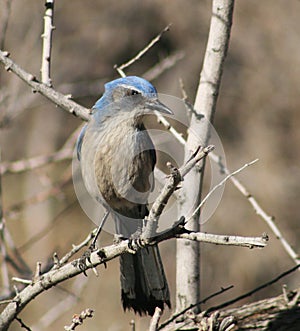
117	159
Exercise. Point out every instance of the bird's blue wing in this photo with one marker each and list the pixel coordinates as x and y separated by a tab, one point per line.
80	141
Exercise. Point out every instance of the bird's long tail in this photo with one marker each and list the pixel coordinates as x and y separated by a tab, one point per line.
143	281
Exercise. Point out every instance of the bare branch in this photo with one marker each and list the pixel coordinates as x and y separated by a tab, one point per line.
4	269
55	190
187	255
259	210
173	180
175	316
77	248
250	242
22	324
61	100
242	188
78	319
155	319
219	185
255	290
47	43
67	271
36	162
63	306
123	66
164	65
5	9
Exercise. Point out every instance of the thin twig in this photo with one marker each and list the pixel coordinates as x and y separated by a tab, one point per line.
163	65
78	247
55	190
269	220
63	306
78	319
22	324
36	161
155	319
45	231
47	43
182	312
4	269
257	289
21	280
123	66
234	173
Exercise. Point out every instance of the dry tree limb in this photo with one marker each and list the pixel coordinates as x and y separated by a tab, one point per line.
61	100
47	43
5	10
187	254
155	319
272	314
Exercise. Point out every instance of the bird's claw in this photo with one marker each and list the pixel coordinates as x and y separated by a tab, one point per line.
135	244
82	262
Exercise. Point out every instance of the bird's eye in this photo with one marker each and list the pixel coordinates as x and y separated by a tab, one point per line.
132	92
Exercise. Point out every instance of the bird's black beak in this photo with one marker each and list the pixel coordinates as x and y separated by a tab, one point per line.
158	106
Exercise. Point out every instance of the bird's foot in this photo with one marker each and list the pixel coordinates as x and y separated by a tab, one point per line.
136	243
86	258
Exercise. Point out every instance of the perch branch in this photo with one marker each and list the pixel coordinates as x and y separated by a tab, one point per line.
173	180
62	272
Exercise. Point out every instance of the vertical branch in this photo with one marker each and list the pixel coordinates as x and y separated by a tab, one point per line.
5	9
4	270
188	259
47	43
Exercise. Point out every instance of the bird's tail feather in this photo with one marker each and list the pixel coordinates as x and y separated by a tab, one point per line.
143	281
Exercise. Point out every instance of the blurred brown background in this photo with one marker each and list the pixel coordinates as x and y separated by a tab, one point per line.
257	117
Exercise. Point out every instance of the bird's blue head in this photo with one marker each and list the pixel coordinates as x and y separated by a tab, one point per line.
128	93
125	94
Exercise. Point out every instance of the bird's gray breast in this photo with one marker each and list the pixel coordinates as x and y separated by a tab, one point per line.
117	163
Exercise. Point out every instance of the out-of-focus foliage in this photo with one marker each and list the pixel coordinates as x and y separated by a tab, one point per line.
257	117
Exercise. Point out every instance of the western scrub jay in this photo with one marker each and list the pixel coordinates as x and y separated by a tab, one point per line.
117	159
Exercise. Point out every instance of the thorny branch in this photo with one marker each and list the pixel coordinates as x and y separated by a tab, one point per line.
47	43
79	318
